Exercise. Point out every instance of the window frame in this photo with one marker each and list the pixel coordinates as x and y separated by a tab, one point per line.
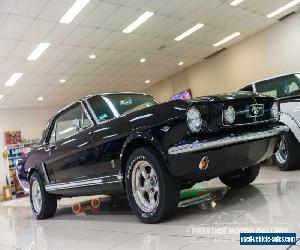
116	114
63	111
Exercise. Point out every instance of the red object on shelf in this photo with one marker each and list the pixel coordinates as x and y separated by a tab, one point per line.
12	137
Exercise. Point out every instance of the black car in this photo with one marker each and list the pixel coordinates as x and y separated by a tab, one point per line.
128	142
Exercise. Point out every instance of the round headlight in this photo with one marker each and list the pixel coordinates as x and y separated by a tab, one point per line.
275	111
194	119
229	115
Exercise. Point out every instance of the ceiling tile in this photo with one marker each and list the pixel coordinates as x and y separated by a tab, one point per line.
99	15
23	8
6	47
78	35
55	9
38	31
59	33
15	27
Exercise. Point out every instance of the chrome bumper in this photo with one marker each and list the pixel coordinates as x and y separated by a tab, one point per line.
228	140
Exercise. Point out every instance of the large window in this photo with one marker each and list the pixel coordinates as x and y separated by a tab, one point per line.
281	86
69	123
113	105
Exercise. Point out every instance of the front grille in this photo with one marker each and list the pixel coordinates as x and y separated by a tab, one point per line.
252	110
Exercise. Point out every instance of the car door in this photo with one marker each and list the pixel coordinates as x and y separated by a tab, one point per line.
107	146
71	151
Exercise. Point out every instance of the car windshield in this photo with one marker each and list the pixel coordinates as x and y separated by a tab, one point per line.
109	106
280	86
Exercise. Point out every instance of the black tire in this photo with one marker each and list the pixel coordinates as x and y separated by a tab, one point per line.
240	178
290	158
168	187
49	202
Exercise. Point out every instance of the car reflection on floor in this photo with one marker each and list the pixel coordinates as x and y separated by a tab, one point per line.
216	214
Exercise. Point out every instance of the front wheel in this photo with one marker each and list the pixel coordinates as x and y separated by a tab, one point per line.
286	157
153	193
42	203
241	177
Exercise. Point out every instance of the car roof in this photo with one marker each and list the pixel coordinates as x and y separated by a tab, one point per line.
272	77
99	94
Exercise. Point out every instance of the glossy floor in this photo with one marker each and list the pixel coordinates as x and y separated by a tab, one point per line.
271	204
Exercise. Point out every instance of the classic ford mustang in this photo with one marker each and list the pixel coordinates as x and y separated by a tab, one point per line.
128	142
286	90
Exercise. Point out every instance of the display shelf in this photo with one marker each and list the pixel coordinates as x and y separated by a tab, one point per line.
14	153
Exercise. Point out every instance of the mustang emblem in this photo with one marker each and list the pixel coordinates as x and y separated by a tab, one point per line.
256	110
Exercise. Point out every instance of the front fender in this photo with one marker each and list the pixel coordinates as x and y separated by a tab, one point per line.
146	137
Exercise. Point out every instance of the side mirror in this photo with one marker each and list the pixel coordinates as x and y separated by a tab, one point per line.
77	124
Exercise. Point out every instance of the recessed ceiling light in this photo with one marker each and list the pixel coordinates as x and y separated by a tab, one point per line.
283	8
236	2
92	56
147	81
12	80
62	80
73	11
41	98
180	63
143	60
226	39
143	18
189	32
38	51
1	96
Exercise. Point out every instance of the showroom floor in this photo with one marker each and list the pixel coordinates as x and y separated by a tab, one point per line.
271	203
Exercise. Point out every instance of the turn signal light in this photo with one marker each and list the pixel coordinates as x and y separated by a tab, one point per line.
203	164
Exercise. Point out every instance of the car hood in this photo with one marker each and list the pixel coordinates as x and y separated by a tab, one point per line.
226	97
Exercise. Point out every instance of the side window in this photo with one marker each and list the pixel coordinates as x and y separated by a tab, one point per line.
100	108
247	88
292	87
70	122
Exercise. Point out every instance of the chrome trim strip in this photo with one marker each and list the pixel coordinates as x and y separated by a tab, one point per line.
45	172
83	183
232	139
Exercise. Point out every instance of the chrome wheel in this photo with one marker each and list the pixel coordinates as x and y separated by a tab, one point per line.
145	186
36	196
282	154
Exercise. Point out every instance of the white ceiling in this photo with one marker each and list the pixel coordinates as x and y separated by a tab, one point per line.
98	30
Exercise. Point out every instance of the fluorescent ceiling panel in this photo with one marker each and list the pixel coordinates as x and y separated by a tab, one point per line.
236	2
13	79
1	96
189	32
283	8
227	39
38	51
143	18
73	11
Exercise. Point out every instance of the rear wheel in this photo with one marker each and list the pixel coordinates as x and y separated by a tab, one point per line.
152	192
241	177
286	157
42	203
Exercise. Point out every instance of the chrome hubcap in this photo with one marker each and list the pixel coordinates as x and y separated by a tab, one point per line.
36	196
145	186
282	154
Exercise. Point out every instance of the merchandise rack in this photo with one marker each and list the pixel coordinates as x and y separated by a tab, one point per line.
14	153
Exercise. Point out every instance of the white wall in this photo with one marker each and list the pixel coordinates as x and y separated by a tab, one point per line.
30	122
273	51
